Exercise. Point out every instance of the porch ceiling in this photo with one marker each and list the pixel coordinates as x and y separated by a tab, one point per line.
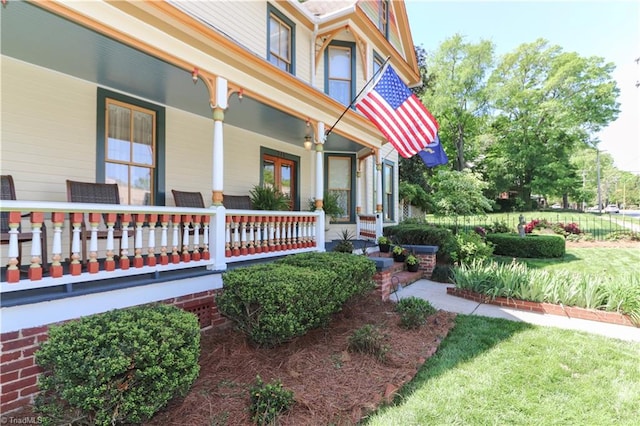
36	36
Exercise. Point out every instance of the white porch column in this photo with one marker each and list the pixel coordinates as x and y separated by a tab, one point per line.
217	226
379	217
320	137
217	183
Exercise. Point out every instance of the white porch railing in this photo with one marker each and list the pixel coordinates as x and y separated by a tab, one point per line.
368	226
163	239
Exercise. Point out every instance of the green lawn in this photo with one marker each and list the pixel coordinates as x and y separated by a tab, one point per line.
592	261
497	372
599	225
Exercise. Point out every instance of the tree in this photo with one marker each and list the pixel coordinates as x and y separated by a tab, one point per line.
548	103
459	194
456	95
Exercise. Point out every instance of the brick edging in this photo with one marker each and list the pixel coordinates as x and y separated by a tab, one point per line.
545	308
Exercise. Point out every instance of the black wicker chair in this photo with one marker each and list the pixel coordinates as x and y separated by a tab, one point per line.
98	193
240	202
8	192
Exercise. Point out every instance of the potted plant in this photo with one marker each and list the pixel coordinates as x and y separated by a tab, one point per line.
412	263
268	198
330	206
399	254
384	244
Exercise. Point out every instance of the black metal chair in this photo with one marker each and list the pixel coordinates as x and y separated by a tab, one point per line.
93	193
8	192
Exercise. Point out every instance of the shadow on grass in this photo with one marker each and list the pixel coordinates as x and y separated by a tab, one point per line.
471	336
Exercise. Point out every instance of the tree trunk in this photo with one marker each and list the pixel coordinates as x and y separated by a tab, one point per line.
460	148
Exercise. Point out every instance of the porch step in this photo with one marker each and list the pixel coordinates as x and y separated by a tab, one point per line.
400	277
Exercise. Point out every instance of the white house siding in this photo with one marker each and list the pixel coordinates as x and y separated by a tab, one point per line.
246	23
50	127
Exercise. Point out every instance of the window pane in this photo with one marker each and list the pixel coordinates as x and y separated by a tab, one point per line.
118	173
343	202
339	63
140	186
339	173
285	179
268	174
340	91
274	36
284	42
388	179
119	133
142	138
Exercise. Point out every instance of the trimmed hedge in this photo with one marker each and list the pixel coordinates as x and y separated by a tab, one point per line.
276	302
424	234
534	246
118	367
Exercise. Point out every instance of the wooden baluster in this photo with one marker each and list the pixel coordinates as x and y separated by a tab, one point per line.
175	256
124	243
196	238
272	233
294	234
206	254
57	219
151	250
250	239
235	233
164	239
186	255
243	236
257	240
265	234
138	261
313	229
289	225
109	262
227	236
35	269
75	268
305	232
276	239
93	266
13	270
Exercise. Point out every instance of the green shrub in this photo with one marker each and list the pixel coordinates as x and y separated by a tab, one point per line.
276	302
268	401
470	246
414	311
535	246
409	233
345	242
498	227
117	367
368	340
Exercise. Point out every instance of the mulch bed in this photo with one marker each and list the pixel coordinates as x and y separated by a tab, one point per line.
330	384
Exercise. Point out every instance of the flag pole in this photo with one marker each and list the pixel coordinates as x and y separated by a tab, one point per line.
357	96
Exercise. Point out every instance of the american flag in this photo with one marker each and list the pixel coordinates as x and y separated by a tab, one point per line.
398	114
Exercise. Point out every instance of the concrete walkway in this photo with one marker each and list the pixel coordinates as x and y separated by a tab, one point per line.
436	294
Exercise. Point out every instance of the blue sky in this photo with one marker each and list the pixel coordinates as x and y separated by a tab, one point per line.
609	29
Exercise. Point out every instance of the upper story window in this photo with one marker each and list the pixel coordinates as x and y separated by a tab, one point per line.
130	147
377	63
281	41
340	71
383	18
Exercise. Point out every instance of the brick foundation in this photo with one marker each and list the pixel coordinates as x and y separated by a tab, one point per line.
544	308
385	279
19	372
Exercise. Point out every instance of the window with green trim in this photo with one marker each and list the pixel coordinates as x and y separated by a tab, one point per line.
281	40
340	71
388	191
340	172
130	148
383	18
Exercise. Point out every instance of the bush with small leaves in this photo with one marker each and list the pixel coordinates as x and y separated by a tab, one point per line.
368	339
268	401
414	311
117	367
